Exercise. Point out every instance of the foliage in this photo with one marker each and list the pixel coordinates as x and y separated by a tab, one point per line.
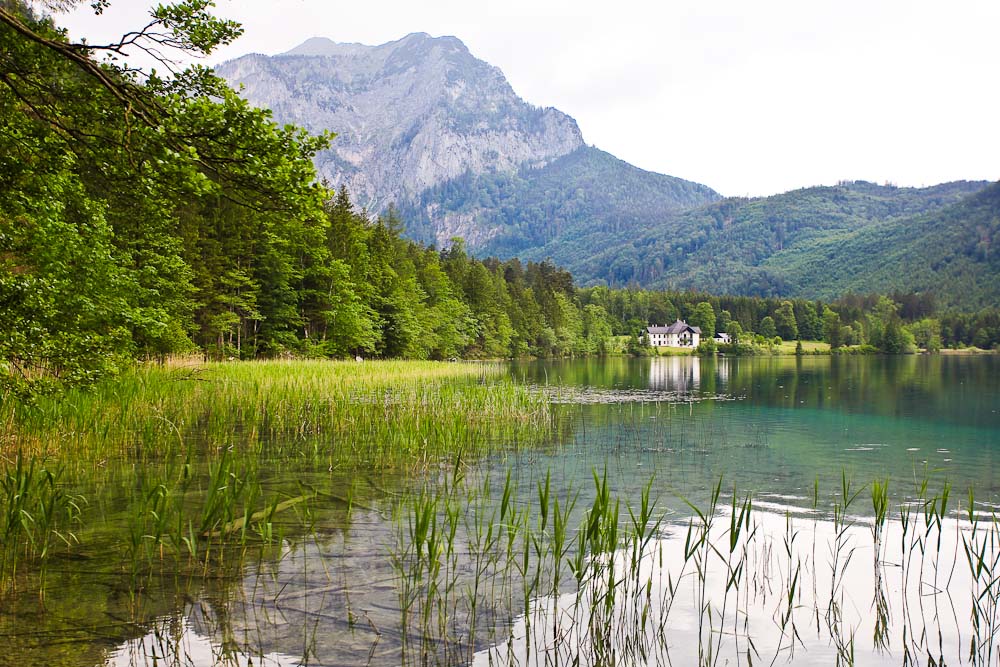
820	242
143	216
784	321
767	327
703	317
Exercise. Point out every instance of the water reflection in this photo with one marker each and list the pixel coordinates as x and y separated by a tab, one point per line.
791	589
681	374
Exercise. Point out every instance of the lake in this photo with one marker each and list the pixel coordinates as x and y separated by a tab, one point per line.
807	573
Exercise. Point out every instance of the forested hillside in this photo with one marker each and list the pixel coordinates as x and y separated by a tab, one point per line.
952	252
816	243
585	198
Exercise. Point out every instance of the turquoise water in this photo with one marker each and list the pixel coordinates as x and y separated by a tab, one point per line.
775	424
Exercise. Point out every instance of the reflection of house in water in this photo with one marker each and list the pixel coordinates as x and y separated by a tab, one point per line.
675	373
722	369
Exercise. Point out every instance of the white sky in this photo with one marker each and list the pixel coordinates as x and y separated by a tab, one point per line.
750	97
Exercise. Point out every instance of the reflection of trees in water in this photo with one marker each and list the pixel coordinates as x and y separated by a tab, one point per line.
926	387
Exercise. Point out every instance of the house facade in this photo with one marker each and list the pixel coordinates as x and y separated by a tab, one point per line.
678	334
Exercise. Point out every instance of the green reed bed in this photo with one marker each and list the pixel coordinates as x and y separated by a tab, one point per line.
184	468
544	580
372	414
37	516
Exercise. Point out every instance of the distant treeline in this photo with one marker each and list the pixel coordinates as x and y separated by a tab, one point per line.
892	323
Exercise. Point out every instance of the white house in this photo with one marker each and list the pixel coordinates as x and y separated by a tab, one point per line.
678	334
723	339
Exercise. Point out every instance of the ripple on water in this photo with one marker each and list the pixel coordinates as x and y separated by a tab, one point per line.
565	395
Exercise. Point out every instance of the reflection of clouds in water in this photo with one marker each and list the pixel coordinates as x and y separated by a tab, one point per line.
181	643
325	602
853	600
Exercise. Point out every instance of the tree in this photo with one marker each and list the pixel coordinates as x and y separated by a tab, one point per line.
924	331
981	339
735	331
831	328
784	321
703	317
809	321
596	329
767	328
661	309
722	324
156	207
884	313
896	339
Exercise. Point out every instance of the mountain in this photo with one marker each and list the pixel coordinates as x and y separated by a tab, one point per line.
587	198
408	114
422	123
952	252
818	242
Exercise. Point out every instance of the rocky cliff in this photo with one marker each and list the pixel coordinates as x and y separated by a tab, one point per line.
408	115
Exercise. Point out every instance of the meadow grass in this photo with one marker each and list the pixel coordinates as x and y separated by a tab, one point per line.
808	347
375	414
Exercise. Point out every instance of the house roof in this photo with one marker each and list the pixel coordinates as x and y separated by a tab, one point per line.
680	326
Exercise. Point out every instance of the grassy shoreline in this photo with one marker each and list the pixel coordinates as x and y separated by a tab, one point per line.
188	466
378	413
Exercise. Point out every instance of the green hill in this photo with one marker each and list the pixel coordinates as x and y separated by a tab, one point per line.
953	252
817	243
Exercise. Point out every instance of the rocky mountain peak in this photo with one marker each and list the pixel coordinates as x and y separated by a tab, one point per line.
409	114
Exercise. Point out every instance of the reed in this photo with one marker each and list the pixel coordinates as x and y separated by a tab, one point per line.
376	414
630	570
37	516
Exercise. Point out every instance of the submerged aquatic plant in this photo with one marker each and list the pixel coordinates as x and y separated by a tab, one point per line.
37	515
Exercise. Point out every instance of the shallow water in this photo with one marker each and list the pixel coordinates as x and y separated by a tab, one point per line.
780	428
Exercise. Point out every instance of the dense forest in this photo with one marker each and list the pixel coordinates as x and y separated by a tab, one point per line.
818	242
611	224
143	216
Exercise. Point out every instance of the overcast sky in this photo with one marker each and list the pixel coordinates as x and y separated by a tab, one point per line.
749	97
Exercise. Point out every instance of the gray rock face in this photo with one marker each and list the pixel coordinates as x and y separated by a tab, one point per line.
408	114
